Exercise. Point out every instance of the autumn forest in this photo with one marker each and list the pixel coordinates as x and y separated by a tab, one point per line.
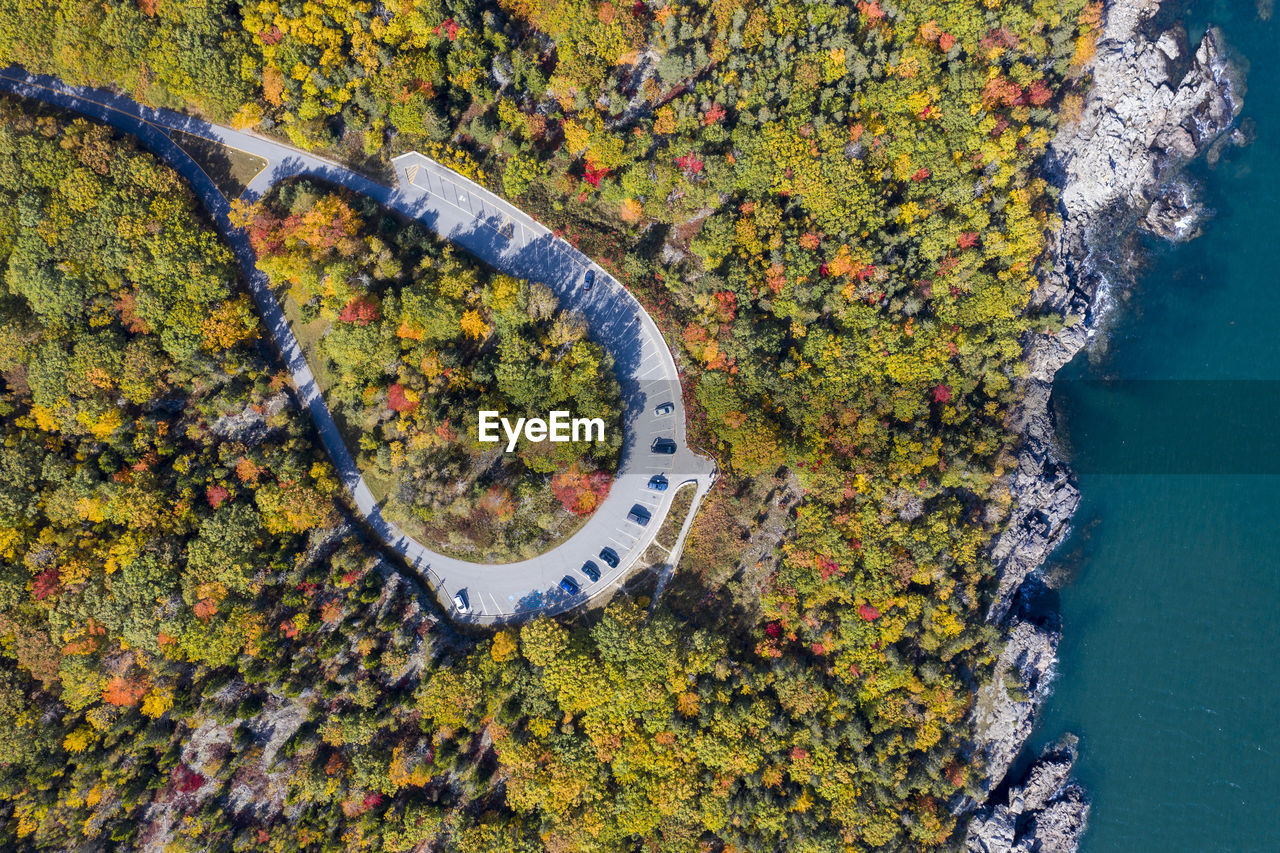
833	210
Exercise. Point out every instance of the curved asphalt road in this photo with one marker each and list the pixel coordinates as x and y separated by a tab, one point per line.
511	242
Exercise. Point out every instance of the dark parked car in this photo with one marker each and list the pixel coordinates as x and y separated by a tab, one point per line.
665	446
665	409
610	556
639	515
590	570
591	280
569	585
658	483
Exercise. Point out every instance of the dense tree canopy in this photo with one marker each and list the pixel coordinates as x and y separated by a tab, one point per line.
415	340
833	210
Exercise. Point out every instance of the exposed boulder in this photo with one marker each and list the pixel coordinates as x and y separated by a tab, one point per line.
250	426
1141	124
1006	706
1046	812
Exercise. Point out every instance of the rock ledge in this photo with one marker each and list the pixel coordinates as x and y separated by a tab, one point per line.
1154	105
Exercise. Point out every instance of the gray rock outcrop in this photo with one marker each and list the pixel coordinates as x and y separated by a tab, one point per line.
1154	105
1142	123
1046	812
1006	706
250	426
1120	168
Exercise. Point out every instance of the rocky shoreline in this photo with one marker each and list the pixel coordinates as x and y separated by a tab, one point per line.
1155	104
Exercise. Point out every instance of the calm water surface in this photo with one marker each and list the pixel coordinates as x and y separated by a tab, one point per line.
1170	663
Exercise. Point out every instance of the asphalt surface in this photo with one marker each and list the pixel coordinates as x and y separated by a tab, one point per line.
510	241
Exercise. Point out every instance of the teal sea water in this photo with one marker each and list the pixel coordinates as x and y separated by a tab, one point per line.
1170	661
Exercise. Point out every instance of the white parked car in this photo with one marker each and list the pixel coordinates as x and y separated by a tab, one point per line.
460	602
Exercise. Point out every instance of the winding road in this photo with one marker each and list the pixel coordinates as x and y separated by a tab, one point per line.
510	241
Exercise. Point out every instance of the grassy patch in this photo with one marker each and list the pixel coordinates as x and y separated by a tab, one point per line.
671	525
230	168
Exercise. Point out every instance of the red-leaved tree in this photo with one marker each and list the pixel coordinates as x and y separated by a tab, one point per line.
594	174
361	310
398	400
580	493
690	163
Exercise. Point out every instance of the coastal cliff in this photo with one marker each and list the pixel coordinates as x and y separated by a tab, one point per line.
1154	105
